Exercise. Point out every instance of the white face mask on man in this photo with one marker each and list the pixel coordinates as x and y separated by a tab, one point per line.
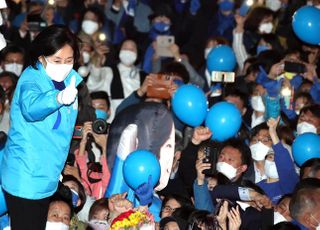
58	72
306	127
278	217
227	170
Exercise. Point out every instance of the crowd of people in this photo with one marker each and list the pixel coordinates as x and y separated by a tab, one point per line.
83	83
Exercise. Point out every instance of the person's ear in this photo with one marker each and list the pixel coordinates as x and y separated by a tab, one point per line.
243	168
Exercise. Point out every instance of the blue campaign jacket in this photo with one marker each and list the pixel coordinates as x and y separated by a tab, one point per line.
37	147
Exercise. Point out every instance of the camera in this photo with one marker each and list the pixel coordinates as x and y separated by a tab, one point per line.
99	126
294	67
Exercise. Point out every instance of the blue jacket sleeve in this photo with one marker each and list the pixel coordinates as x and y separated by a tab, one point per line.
315	91
230	192
36	105
147	61
288	177
202	198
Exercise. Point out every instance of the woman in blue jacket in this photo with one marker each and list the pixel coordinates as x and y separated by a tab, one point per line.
42	118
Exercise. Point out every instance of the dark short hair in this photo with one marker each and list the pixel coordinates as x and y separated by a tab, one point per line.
314	109
11	49
178	69
52	39
97	206
100	95
258	128
313	164
233	92
242	148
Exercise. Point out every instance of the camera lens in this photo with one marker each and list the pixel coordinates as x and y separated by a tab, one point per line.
100	126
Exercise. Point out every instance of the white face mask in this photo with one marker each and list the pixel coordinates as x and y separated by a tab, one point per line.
305	127
273	5
257	104
226	169
85	57
278	217
56	226
89	26
14	68
206	52
127	57
99	224
270	169
58	72
266	28
259	151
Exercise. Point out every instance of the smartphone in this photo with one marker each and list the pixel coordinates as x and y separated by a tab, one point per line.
77	132
160	87
294	67
163	44
244	8
217	76
209	158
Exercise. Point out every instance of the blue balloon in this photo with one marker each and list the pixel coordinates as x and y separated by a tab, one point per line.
221	58
306	24
138	166
223	120
305	147
189	103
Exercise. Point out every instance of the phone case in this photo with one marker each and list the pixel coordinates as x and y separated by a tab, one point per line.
160	87
163	44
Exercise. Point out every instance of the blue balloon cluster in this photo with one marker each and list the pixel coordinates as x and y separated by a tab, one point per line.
138	166
306	24
221	58
305	147
189	103
223	120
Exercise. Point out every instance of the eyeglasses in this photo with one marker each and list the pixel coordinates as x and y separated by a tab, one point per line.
263	139
168	209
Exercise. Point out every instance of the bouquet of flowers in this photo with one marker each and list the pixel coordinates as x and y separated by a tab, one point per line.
133	219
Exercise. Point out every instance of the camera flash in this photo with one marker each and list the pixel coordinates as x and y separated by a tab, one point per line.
286	92
102	37
51	2
249	2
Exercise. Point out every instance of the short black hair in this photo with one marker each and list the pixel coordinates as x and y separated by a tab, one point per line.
243	149
101	95
52	39
313	164
11	49
314	109
258	128
178	69
233	92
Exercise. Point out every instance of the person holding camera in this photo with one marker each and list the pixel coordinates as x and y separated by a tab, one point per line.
94	175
